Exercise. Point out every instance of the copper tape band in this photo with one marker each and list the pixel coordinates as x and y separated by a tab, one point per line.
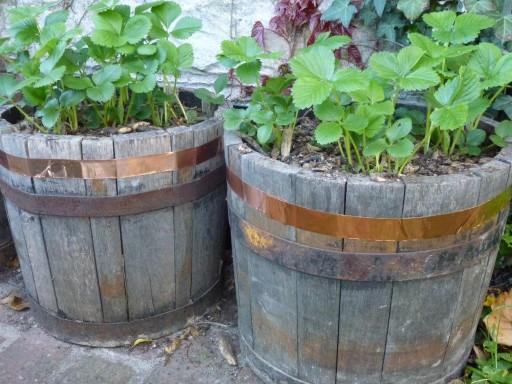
367	228
109	206
114	168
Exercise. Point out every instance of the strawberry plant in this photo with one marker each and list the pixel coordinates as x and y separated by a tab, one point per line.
359	111
107	78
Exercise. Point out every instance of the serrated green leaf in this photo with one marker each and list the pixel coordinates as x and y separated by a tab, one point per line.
144	7
249	73
264	134
77	83
308	92
185	56
341	11
412	9
475	137
385	65
221	83
328	111
51	77
34	96
25	31
375	148
464	88
401	149
385	108
233	118
450	117
332	42
351	80
101	93
407	58
50	113
480	6
504	103
261	117
186	27
327	133
167	12
477	108
107	31
504	129
57	17
8	86
420	79
146	50
462	29
241	50
108	73
136	29
375	126
442	21
426	44
400	129
209	97
48	64
499	141
316	63
503	28
144	86
71	98
356	123
484	60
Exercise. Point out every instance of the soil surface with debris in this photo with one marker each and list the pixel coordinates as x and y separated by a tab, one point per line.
193	356
328	159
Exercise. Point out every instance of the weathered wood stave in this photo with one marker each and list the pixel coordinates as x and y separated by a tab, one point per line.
416	327
87	275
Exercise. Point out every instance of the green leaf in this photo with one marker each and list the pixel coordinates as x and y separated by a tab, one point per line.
77	83
499	141
261	117
379	6
242	49
385	108
356	123
413	9
327	133
71	98
328	111
475	137
315	62
249	73
385	65
136	29
56	17
144	86
464	88
51	78
504	103
351	80
442	21
504	129
484	60
8	86
264	134
407	58
477	107
401	149
167	12
420	79
400	129
503	28
341	11
25	31
426	44
331	42
307	92
462	29
34	96
450	117
221	83
107	31
375	126
108	73
186	27
501	74
185	56
101	93
375	148
146	50
209	97
54	57
233	118
50	113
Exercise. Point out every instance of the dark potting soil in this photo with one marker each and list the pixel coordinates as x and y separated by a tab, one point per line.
327	159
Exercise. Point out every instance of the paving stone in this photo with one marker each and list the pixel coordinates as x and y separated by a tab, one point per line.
90	369
31	358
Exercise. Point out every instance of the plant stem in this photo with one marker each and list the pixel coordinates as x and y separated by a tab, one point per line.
358	156
455	141
428	130
492	100
30	119
347	148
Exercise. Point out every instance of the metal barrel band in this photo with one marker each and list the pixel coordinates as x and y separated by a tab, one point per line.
111	206
368	228
114	168
353	266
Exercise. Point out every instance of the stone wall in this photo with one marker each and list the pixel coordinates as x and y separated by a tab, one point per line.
222	19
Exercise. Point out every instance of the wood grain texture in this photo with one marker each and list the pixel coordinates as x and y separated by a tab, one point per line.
148	238
106	234
68	241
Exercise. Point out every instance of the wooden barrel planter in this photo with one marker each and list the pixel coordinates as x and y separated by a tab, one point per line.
353	280
117	236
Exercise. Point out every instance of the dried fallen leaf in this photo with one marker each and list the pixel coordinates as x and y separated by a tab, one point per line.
456	381
226	351
499	321
141	340
173	347
15	302
13	263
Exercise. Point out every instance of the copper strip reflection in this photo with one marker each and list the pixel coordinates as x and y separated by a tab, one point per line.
368	228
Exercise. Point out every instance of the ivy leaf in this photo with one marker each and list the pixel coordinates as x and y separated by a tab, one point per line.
450	117
71	98
264	134
327	133
220	83
328	111
233	118
379	6
249	73
401	149
503	28
341	11
186	27
413	9
167	12
101	93
400	129
144	86
8	86
136	29
308	91
109	73
51	77
77	83
504	129
480	6
375	148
